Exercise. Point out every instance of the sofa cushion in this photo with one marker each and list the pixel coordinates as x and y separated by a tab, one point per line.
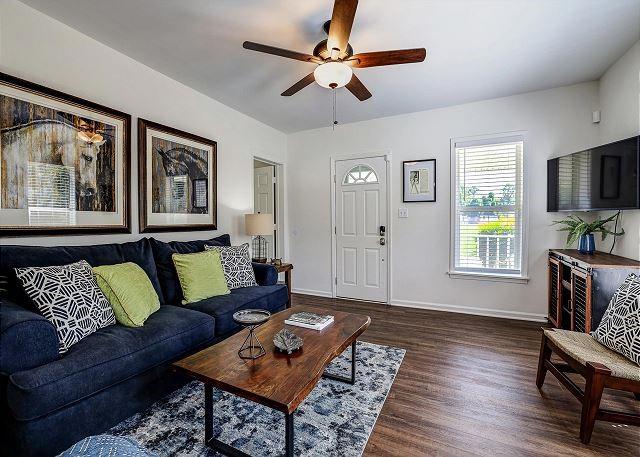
129	291
236	262
162	252
70	298
201	275
105	358
271	298
13	256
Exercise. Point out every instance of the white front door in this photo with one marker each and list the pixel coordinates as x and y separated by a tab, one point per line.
263	199
361	212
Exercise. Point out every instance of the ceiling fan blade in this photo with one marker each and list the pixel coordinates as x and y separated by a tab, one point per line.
380	58
304	82
356	87
280	52
344	12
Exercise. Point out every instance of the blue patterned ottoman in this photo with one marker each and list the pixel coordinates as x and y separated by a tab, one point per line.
106	446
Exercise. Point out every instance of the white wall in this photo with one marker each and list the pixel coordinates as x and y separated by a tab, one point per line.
557	121
40	49
620	107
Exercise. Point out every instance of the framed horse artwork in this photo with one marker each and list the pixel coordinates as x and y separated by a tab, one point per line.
177	176
64	163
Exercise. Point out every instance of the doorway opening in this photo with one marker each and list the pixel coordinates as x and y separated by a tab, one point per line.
268	198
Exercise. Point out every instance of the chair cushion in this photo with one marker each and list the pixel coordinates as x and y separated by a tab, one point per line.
14	256
583	348
619	328
271	298
162	252
105	358
70	298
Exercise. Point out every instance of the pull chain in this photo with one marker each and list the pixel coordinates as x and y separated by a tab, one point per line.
335	121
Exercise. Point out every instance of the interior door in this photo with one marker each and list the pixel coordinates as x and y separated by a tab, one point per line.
263	199
361	229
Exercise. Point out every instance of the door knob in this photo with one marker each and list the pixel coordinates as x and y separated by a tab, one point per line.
382	241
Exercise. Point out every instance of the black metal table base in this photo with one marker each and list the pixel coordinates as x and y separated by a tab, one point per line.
231	451
349	380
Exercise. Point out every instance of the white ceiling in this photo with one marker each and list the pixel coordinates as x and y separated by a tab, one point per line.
476	49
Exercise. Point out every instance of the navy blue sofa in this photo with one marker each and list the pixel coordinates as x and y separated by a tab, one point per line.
50	401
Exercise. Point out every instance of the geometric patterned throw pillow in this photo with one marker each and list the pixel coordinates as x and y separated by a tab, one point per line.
619	328
236	263
70	298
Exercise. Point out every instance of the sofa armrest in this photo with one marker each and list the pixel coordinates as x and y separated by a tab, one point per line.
266	275
27	340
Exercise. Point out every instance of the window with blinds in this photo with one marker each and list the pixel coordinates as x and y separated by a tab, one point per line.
487	210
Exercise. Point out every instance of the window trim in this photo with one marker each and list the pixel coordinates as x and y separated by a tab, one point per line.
494	138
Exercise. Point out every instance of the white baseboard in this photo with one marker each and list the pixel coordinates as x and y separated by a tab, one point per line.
472	310
317	293
447	308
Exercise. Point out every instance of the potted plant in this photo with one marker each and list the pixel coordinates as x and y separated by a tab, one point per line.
583	231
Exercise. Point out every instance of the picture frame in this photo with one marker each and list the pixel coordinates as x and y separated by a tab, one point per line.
419	180
177	176
64	163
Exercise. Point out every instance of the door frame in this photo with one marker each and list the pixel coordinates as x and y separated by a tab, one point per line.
279	197
333	184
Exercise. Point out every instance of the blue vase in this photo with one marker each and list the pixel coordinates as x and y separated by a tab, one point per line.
587	244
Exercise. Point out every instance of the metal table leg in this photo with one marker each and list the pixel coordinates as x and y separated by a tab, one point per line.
352	378
226	449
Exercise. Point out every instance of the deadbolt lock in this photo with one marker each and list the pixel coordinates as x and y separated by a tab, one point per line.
382	241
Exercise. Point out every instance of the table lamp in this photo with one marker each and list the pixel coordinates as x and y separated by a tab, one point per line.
258	225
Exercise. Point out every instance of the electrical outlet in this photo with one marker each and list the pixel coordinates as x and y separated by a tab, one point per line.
403	212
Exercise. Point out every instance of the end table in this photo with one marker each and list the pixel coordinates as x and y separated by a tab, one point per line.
286	269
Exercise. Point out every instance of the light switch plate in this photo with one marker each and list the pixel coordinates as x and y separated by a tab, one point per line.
403	212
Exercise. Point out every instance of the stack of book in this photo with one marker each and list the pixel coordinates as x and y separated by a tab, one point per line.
309	320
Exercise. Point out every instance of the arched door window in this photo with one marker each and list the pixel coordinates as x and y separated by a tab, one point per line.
360	174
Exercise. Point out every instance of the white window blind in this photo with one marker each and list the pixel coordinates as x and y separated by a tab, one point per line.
488	206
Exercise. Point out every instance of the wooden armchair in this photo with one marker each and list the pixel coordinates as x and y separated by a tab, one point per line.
600	366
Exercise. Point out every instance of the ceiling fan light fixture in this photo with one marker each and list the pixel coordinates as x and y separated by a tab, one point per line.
333	75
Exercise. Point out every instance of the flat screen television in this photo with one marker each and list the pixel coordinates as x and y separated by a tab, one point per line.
601	178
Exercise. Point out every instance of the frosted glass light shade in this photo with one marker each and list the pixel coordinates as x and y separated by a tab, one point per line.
258	224
331	73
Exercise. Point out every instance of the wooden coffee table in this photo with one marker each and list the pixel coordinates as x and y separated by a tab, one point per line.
276	380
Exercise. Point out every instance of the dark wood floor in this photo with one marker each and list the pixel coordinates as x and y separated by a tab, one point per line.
467	387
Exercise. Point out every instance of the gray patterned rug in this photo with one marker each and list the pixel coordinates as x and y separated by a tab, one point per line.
336	418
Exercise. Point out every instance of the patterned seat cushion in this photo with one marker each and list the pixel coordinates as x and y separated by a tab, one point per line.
619	328
70	298
583	348
236	264
106	445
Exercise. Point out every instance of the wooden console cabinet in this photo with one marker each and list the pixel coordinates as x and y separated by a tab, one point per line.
581	286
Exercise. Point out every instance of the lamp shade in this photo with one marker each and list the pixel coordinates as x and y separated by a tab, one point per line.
333	74
258	224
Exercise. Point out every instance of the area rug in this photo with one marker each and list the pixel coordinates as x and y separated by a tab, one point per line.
336	418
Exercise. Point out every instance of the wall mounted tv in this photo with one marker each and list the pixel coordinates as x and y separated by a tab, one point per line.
602	178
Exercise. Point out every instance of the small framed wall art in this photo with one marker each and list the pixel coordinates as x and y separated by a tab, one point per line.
419	181
64	163
177	179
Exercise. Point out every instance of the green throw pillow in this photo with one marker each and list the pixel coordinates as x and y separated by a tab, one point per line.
201	275
130	292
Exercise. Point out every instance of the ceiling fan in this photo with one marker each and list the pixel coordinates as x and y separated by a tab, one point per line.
334	56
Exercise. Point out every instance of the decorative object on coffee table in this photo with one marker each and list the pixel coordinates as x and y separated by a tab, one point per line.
258	225
287	341
252	319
